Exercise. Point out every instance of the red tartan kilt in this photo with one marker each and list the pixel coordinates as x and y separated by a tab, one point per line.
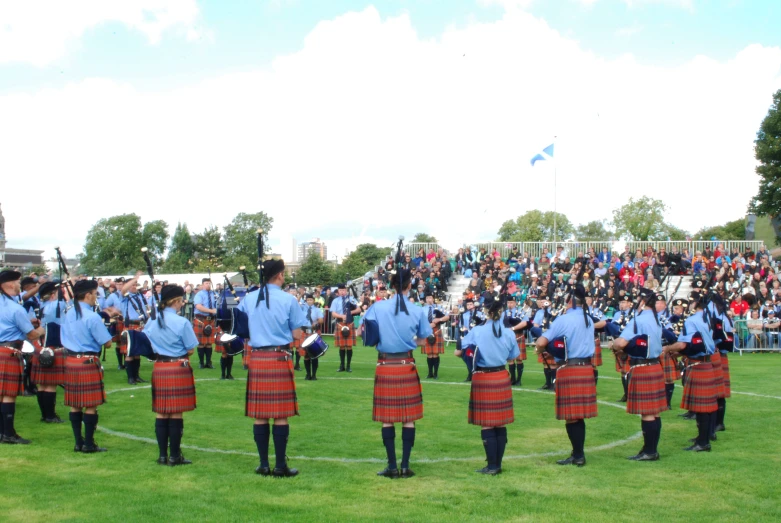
437	348
622	364
491	399
11	369
646	394
173	388
128	327
120	328
198	325
699	389
49	376
271	389
216	333
670	368
346	342
718	375
398	396
596	359
576	393
521	347
725	372
83	382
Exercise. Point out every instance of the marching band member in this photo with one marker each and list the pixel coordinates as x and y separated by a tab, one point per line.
48	378
173	385
83	334
398	398
135	315
465	352
275	320
599	326
205	313
15	328
724	337
433	348
671	329
491	397
519	331
542	318
115	300
314	318
614	328
641	341
343	308
576	392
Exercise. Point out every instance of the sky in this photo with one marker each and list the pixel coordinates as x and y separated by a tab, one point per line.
357	122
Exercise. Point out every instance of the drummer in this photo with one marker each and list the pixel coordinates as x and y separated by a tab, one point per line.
314	316
48	378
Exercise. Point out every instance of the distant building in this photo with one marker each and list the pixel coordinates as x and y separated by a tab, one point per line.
16	258
294	251
307	248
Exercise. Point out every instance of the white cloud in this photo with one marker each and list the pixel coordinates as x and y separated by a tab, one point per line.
629	31
372	126
42	31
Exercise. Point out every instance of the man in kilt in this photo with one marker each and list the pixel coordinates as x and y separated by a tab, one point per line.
275	319
314	317
671	327
398	328
641	341
15	328
134	312
343	308
700	390
173	385
724	337
599	327
115	300
614	328
205	303
542	319
576	392
83	335
518	322
435	344
49	377
491	395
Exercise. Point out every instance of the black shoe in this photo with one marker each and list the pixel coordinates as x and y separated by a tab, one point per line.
430	376
634	458
314	378
297	367
349	369
139	380
544	387
308	378
90	449
230	377
200	366
131	381
16	439
687	415
120	367
645	456
28	393
77	448
284	472
487	471
713	437
389	473
55	419
720	427
162	460
572	461
407	473
340	369
699	448
209	365
263	471
179	460
623	399
222	377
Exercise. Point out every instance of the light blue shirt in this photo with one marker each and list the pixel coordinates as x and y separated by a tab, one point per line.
50	312
693	324
398	331
646	324
539	317
175	339
580	338
83	334
114	300
101	297
726	321
337	305
314	313
131	305
202	298
14	322
492	351
272	324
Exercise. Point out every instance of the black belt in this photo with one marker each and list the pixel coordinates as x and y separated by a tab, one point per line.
701	360
167	359
394	355
81	354
490	369
578	361
16	344
202	317
634	362
277	348
135	322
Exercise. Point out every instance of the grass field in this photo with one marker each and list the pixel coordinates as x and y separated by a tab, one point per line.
338	449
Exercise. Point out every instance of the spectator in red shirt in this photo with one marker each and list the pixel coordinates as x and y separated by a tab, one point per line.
739	306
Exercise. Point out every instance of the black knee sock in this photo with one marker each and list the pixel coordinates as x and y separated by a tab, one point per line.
519	369
669	388
436	366
430	363
90	424
596	376
52	403
161	432
175	432
389	440
722	402
261	433
8	411
76	419
315	364
129	369
713	417
308	367
298	359
657	433
703	428
200	355
648	427
625	384
120	361
408	441
546	371
512	372
489	444
280	434
209	352
349	357
137	366
341	358
501	444
230	366
577	437
42	404
223	364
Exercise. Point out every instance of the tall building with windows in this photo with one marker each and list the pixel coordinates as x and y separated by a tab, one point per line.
307	248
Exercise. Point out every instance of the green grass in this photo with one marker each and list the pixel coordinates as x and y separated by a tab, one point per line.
738	481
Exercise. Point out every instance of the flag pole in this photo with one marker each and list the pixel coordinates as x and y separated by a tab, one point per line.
554	196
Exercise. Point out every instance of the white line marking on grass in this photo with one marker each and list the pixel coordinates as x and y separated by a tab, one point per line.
151	441
757	395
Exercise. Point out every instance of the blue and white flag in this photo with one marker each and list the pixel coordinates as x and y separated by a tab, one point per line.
548	153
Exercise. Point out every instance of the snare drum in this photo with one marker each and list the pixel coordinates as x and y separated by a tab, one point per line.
232	344
314	346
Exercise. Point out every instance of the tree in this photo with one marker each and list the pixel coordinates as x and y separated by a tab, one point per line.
641	220
113	246
594	230
422	237
673	233
209	251
768	153
734	230
181	251
362	260
241	246
535	226
154	236
314	271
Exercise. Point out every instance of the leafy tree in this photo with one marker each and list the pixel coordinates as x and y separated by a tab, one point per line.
37	269
241	246
594	230
674	233
181	251
422	237
535	226
641	219
768	153
113	246
209	250
314	271
734	230
154	237
360	261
